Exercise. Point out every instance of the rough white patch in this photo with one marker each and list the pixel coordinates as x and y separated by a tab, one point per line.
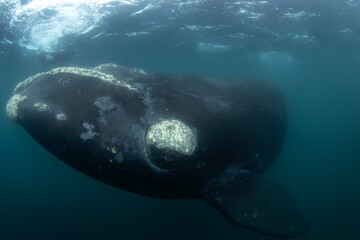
60	116
40	106
172	135
90	134
12	106
81	72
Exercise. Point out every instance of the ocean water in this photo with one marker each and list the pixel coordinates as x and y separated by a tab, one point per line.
309	49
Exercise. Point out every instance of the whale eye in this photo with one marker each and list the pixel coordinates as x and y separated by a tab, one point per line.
172	135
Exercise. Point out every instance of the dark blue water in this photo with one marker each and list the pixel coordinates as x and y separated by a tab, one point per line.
42	198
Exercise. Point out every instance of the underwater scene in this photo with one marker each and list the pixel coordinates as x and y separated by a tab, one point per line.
170	119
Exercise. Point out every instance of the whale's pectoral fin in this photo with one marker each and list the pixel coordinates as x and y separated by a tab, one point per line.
254	202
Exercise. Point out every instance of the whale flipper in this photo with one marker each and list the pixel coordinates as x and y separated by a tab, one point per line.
254	202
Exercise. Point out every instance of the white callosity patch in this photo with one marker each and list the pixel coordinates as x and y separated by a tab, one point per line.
172	135
40	106
90	134
60	116
12	106
80	72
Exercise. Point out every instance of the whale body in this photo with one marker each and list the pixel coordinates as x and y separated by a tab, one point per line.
166	136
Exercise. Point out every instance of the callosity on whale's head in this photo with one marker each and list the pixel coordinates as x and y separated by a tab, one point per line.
169	136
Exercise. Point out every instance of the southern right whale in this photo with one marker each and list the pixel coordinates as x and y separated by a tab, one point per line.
166	136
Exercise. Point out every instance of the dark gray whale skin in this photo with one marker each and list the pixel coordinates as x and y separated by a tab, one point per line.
167	136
